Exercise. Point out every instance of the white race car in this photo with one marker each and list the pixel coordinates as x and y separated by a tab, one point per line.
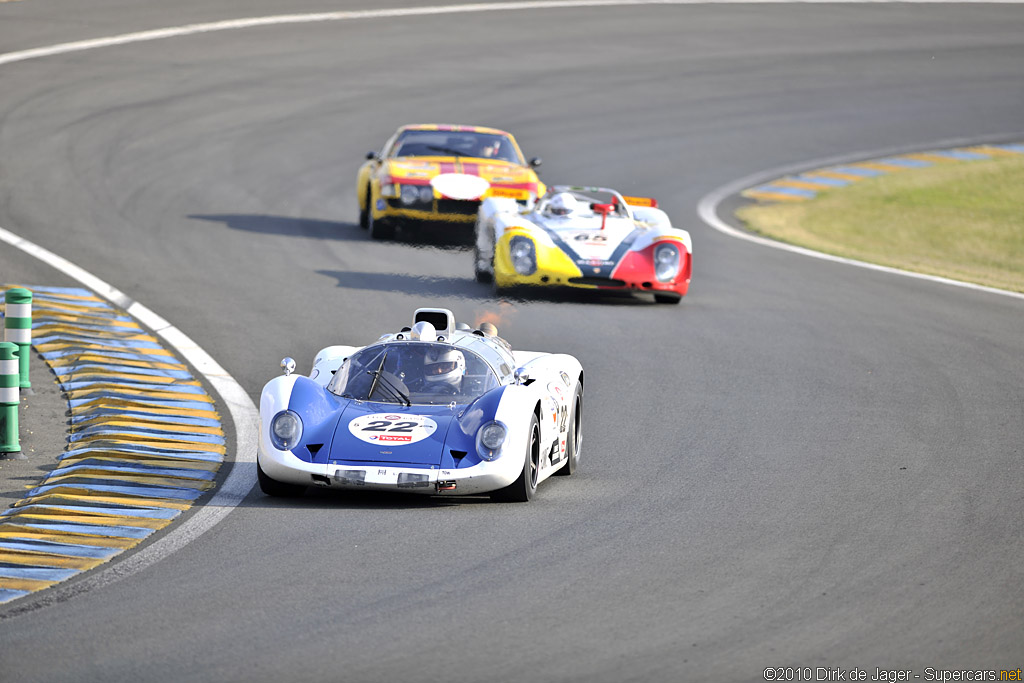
584	237
436	408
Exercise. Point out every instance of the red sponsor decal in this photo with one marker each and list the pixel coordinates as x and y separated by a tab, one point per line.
394	439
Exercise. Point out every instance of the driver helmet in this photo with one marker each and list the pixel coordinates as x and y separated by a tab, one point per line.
562	204
444	366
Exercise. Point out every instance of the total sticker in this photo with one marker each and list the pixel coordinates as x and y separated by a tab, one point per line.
390	429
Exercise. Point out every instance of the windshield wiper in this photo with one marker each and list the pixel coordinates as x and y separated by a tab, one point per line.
376	374
448	150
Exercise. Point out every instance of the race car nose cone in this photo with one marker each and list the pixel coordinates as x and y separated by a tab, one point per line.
460	185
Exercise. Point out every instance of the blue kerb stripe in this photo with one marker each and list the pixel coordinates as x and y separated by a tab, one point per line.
146	451
182	437
98	341
8	594
140	490
186	473
37	573
128	355
90	551
106	509
824	180
98	369
93	530
777	189
82	327
73	291
107	413
856	170
903	161
136	387
140	401
961	154
1016	147
92	481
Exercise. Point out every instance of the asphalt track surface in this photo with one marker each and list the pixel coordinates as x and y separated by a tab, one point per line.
804	464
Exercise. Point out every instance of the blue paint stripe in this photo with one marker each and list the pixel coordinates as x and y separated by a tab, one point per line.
133	389
857	170
94	530
781	189
903	161
154	402
123	355
182	472
37	573
106	509
140	491
145	451
83	327
8	594
961	155
91	341
127	432
1016	147
139	374
66	549
824	180
73	291
183	420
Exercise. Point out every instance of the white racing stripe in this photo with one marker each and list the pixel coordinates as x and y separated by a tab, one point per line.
708	208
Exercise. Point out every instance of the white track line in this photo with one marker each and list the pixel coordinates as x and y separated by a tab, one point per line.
707	208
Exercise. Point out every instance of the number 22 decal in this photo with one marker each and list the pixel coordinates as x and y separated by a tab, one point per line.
382	426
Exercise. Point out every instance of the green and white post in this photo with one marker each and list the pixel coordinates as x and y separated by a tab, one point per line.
18	329
10	398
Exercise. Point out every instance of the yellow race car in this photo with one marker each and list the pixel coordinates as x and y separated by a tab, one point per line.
431	174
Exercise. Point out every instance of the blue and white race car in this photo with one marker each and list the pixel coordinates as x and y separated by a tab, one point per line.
436	408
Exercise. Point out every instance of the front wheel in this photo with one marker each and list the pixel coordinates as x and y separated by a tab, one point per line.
482	275
523	488
574	440
364	213
273	487
379	230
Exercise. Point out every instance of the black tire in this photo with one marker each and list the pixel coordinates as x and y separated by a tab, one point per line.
273	487
523	489
379	230
482	276
574	441
667	298
364	214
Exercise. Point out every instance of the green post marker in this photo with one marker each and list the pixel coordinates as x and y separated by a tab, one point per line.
18	328
9	399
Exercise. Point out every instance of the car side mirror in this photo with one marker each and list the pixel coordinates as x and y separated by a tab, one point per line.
371	155
535	162
522	376
288	365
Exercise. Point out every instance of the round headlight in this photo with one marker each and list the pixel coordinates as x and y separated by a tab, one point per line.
666	262
426	193
410	194
285	430
490	439
523	255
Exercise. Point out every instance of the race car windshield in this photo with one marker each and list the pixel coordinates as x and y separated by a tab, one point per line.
413	372
420	143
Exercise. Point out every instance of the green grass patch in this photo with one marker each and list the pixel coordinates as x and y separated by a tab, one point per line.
961	220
